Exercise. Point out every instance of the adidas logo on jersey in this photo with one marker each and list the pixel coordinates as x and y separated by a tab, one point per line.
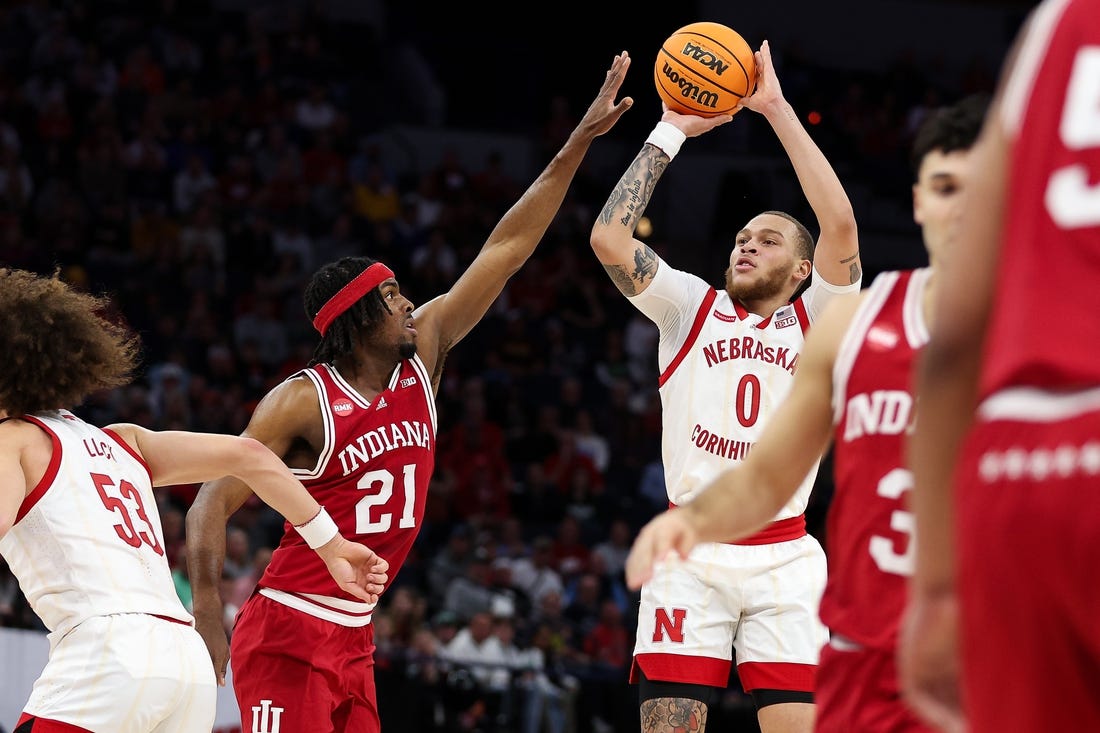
381	403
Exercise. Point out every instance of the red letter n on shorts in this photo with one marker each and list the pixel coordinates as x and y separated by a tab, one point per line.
674	626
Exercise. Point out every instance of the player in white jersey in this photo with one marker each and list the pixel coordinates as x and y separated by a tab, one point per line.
80	530
727	357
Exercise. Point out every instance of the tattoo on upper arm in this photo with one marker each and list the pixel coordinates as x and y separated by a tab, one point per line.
854	271
673	714
628	280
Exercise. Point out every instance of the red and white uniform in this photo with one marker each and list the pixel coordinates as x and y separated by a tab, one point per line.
87	549
1028	483
372	476
723	372
869	528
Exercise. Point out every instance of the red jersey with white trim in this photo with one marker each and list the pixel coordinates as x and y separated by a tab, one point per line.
87	540
723	372
1050	252
869	539
372	474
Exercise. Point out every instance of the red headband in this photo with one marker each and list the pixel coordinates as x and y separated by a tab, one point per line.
363	283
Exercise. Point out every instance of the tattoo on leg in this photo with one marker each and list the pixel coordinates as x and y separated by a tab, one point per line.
673	715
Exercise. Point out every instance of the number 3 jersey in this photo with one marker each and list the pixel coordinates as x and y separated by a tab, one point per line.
723	372
869	538
87	540
372	476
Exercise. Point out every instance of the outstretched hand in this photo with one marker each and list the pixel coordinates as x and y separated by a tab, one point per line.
667	533
356	568
604	111
767	91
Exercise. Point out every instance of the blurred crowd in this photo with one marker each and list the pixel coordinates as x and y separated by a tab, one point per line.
198	165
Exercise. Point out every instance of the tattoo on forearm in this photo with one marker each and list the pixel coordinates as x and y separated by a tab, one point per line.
629	280
673	715
634	189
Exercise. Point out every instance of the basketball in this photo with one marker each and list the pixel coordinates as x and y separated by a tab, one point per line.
704	69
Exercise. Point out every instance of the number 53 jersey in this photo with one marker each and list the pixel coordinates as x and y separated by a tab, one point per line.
87	540
372	476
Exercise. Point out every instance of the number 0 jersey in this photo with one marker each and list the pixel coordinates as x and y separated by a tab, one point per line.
87	540
372	476
868	529
723	372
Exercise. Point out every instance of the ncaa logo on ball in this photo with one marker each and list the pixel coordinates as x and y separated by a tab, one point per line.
342	407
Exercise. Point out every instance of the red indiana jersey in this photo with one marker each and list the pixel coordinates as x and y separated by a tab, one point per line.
372	474
1044	327
869	528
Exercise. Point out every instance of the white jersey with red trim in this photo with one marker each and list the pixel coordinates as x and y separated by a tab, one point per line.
87	541
723	372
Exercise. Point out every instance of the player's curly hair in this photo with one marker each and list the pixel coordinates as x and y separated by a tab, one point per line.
56	345
345	331
805	242
949	128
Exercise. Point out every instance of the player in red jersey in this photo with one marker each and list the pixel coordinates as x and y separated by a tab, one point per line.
358	427
853	386
1006	458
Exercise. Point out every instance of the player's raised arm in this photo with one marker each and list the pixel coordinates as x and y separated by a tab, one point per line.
444	321
629	262
836	258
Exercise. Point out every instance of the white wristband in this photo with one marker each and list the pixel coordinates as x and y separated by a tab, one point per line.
667	137
319	530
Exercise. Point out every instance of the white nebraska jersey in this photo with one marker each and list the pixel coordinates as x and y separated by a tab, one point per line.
723	372
87	541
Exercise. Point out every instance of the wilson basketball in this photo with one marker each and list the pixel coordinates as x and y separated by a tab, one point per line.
704	69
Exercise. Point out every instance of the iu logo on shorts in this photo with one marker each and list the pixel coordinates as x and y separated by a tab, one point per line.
265	718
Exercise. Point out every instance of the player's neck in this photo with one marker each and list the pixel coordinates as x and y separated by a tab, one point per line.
763	307
368	373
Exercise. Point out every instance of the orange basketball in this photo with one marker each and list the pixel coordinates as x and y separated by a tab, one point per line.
704	69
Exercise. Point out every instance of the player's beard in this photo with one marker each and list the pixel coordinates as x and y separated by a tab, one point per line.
407	349
761	289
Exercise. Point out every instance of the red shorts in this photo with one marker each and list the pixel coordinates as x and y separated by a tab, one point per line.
294	672
858	691
1028	501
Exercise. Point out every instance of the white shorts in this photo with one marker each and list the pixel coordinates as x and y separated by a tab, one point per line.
759	602
128	673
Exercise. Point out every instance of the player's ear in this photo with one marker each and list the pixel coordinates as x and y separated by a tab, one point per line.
803	269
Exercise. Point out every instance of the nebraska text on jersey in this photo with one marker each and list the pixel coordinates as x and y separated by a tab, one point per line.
746	347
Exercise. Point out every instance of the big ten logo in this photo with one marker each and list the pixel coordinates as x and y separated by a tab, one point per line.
689	89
